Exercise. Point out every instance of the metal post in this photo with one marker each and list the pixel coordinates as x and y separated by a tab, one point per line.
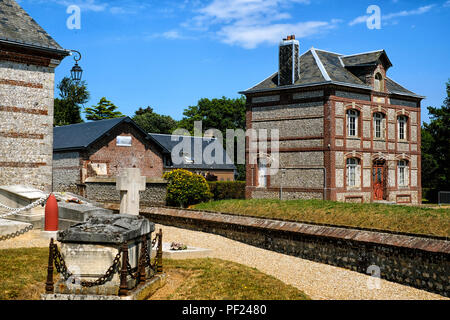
159	254
49	285
142	275
123	289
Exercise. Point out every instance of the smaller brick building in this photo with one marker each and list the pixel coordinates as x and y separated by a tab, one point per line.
99	149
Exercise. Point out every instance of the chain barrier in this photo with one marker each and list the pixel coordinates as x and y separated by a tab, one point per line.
13	211
56	259
61	268
16	234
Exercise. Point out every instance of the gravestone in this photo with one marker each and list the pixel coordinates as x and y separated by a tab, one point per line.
129	183
90	248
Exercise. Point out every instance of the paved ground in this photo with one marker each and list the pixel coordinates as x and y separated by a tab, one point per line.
319	281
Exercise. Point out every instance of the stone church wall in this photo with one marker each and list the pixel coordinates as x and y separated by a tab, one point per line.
26	126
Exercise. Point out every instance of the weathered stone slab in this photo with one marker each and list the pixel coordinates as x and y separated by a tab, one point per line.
107	229
9	227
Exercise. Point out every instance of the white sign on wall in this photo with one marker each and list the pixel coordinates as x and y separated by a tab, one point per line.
123	141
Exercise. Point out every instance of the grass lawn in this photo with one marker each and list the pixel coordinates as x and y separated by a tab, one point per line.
406	219
23	273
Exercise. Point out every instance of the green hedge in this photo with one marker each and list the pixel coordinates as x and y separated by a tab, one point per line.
223	190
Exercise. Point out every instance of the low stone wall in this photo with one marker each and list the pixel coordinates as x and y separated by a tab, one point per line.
419	262
105	191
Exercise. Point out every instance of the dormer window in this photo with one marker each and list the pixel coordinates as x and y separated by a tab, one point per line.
378	83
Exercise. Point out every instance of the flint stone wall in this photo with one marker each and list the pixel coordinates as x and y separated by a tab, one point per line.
419	262
26	126
154	194
66	171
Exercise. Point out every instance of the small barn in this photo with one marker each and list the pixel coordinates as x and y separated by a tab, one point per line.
98	150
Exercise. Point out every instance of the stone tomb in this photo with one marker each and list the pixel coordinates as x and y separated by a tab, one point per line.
89	250
19	196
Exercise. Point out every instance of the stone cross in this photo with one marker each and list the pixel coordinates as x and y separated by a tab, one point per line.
129	183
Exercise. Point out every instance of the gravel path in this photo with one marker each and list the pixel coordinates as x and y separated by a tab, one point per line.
319	281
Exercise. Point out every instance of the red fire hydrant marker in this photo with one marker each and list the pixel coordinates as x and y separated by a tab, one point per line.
51	214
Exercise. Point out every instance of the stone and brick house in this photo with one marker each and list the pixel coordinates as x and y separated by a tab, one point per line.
96	151
347	131
28	58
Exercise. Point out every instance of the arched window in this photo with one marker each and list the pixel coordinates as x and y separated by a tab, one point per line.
403	173
378	125
352	164
378	83
352	123
402	127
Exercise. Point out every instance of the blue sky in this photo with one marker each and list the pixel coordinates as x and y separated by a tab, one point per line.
168	54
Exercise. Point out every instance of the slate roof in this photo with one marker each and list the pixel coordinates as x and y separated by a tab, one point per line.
168	143
82	135
323	67
17	27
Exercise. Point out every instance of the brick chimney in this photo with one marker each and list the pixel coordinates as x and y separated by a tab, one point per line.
289	61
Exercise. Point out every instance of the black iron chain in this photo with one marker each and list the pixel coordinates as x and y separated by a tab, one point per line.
16	234
61	268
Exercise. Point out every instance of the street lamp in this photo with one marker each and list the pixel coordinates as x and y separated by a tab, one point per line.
76	72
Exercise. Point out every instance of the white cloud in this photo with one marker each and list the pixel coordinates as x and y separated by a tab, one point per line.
123	7
250	37
170	35
404	13
249	23
447	3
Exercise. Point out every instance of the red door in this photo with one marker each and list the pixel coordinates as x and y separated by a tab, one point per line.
378	181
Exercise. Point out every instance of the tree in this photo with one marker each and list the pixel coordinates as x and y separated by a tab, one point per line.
72	95
220	114
105	109
153	122
436	147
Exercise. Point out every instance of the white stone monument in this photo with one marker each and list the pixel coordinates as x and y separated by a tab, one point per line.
129	183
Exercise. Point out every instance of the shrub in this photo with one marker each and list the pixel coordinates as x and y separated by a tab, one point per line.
186	188
223	190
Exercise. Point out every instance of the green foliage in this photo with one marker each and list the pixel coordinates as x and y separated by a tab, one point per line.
436	147
220	114
223	190
153	122
186	188
105	109
72	95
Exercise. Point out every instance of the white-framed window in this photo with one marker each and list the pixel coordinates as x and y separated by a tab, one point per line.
352	164
262	173
124	141
378	83
378	125
352	123
402	173
402	127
